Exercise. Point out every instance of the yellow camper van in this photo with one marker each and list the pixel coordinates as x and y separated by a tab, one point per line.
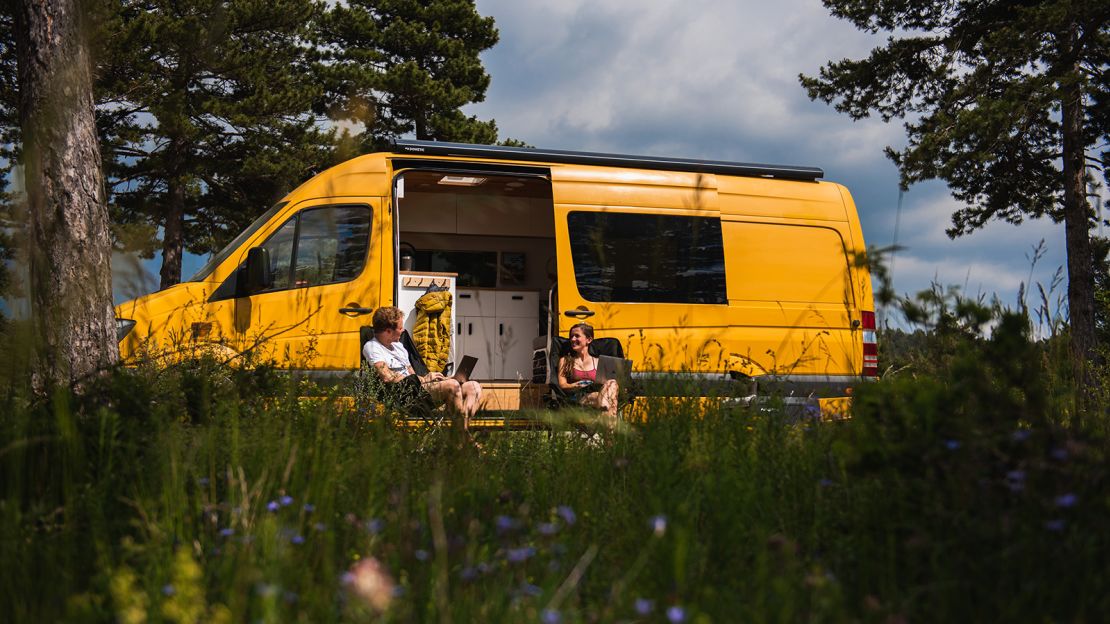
730	276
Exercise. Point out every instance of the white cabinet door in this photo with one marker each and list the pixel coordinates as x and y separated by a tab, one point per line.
476	334
514	341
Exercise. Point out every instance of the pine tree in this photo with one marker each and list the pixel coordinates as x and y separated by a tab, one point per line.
207	116
1005	101
70	276
420	63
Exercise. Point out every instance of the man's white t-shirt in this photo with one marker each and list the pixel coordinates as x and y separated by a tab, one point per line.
396	358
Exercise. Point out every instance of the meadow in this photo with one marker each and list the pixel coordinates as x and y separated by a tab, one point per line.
970	484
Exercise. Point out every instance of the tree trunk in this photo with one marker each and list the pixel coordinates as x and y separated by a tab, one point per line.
173	234
70	258
1077	225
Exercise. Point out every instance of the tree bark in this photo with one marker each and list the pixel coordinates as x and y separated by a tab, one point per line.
70	257
1077	225
173	234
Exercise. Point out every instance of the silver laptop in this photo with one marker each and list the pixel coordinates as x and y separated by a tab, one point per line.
609	367
466	367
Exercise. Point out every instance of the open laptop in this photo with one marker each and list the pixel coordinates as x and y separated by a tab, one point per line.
609	367
465	368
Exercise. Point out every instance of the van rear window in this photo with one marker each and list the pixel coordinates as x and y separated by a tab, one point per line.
645	258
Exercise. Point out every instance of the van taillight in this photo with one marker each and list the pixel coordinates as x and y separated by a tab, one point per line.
870	346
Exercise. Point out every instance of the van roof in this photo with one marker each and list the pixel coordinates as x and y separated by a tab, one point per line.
531	154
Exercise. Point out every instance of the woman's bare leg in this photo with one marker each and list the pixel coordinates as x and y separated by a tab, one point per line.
608	400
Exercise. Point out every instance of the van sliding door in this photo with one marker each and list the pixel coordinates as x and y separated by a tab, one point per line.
651	275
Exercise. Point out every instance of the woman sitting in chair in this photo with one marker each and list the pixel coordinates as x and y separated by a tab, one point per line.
578	373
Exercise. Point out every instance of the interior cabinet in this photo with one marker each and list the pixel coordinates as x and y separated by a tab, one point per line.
497	326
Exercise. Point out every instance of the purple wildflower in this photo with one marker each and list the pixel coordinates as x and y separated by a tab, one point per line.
529	589
548	528
676	614
551	616
272	506
658	525
1021	435
520	555
1055	526
375	525
468	574
286	500
422	555
309	508
567	514
320	527
203	481
952	445
506	523
1066	500
297	539
644	606
168	590
228	532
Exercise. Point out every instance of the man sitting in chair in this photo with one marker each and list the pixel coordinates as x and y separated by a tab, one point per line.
401	384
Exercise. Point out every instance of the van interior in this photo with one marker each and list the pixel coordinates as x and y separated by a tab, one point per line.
496	232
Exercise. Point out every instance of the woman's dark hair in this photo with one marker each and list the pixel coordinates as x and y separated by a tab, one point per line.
587	329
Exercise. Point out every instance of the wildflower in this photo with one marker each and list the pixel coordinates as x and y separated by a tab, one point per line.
548	528
1055	526
1021	435
297	539
168	589
567	514
506	523
273	506
1060	453
320	527
676	614
309	508
825	482
529	589
228	532
286	500
483	568
375	525
468	574
203	481
1015	480
520	555
658	525
644	606
422	555
551	616
1066	500
952	445
369	581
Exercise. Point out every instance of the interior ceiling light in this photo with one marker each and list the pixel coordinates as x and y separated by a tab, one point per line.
452	180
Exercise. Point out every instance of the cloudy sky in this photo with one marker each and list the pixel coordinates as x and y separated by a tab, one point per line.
718	80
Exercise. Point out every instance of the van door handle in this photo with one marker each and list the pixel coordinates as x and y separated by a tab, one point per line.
579	313
355	311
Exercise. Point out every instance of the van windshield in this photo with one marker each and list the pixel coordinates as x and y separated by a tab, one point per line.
215	261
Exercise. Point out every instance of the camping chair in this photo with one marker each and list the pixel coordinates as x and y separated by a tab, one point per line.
560	346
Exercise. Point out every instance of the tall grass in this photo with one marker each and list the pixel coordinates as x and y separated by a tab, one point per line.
201	493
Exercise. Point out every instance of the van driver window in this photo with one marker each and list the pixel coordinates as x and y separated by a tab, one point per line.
329	246
647	258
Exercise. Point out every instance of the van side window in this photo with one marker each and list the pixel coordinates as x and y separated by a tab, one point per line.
331	245
647	258
315	246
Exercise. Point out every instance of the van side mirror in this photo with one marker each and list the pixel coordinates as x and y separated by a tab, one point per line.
258	275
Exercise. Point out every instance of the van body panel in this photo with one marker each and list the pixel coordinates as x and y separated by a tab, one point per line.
698	273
